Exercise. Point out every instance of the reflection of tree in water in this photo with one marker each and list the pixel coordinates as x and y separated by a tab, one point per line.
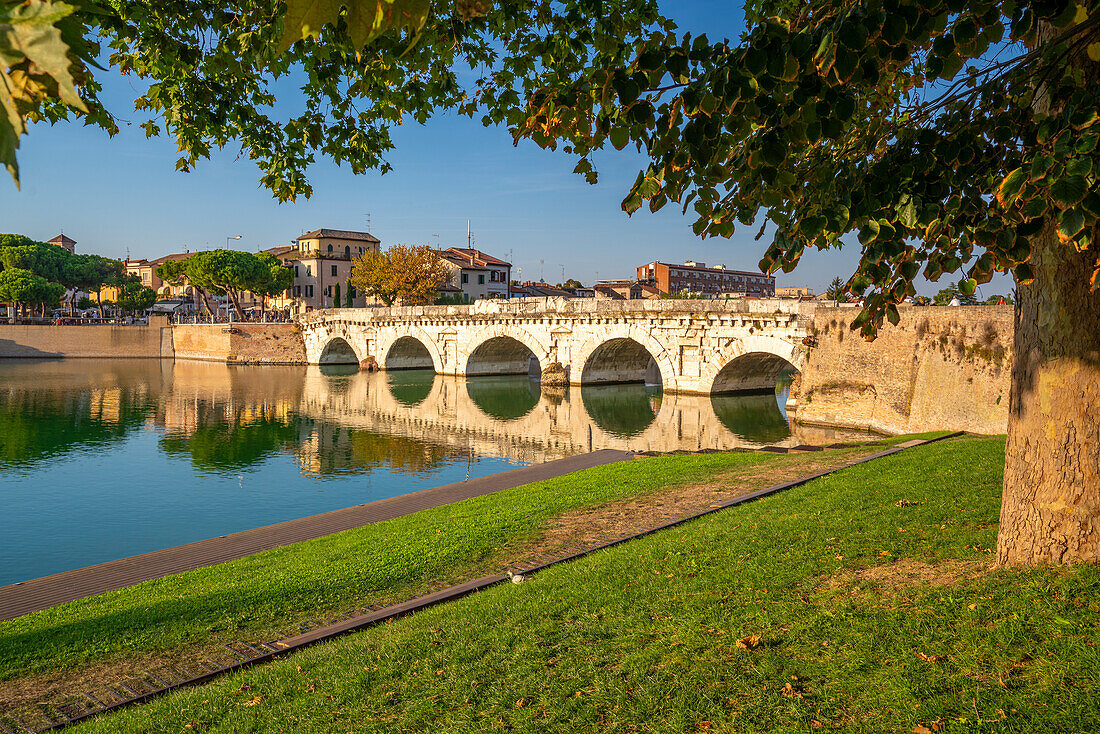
223	446
410	387
506	397
755	418
622	410
39	425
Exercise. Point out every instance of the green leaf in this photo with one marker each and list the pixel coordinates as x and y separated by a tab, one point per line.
1070	222
907	213
1069	190
868	233
619	136
1009	190
968	286
812	226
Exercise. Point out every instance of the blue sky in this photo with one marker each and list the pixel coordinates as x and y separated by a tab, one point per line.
123	196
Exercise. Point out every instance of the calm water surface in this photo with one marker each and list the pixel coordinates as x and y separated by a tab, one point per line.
105	459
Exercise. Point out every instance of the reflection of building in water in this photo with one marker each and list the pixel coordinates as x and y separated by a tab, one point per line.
226	418
510	416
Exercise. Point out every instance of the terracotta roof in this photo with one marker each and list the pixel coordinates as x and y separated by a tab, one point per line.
61	240
459	261
281	250
176	256
477	257
339	234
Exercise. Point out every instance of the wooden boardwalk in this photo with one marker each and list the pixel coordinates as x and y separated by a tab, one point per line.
48	591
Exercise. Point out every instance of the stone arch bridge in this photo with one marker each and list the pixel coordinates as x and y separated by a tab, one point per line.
689	346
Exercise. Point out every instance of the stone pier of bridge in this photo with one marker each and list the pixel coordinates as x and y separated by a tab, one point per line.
688	346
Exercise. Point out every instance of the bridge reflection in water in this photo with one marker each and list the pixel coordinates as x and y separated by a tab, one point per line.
514	416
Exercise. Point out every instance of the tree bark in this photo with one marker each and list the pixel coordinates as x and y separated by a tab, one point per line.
1051	503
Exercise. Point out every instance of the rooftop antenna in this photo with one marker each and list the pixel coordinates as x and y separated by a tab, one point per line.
563	274
542	278
469	235
368	221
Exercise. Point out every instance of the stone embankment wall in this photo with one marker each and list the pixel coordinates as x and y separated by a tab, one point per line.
102	341
940	368
240	343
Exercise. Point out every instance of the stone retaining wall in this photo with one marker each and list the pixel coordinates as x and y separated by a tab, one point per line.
940	368
240	343
101	341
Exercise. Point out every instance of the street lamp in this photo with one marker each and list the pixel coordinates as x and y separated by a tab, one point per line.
231	237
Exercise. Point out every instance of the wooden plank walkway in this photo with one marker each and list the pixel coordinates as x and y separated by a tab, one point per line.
48	591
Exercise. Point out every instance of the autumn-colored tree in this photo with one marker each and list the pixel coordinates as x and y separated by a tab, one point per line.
402	275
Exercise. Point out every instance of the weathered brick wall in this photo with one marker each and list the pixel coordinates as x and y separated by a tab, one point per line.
240	343
103	341
940	368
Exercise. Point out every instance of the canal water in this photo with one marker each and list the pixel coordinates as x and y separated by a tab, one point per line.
104	459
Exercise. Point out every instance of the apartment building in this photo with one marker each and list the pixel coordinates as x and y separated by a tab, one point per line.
322	261
696	277
475	273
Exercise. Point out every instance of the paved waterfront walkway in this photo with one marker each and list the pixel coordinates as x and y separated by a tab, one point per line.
42	593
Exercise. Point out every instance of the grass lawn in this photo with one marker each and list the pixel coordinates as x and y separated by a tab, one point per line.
253	597
870	613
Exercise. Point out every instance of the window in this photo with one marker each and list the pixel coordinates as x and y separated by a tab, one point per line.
328	290
334	270
465	278
297	290
309	270
347	251
330	248
481	278
295	271
309	291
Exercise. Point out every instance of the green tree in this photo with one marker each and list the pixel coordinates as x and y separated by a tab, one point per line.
835	291
945	295
134	297
175	272
23	288
274	278
943	137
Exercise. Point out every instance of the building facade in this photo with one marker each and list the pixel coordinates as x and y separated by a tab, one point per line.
696	277
794	291
476	274
321	261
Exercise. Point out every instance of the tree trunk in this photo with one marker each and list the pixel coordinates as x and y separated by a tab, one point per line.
1051	505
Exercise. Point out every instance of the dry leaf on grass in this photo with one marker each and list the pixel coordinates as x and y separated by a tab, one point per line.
751	642
906	503
255	700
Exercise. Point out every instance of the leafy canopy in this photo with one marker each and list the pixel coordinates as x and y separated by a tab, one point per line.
944	135
405	275
363	65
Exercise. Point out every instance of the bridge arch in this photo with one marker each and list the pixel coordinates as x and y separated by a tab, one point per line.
409	348
338	350
623	354
505	351
751	365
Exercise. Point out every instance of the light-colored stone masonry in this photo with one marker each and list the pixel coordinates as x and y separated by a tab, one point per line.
695	346
51	342
240	343
940	368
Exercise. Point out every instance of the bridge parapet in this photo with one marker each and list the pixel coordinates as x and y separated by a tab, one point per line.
692	346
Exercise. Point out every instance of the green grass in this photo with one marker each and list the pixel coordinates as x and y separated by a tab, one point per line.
251	597
643	636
